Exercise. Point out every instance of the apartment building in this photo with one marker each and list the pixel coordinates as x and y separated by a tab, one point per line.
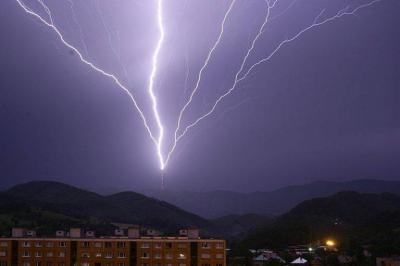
76	248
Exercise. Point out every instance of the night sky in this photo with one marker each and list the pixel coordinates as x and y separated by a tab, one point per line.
325	107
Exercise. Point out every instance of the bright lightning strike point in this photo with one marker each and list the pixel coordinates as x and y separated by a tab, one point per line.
151	84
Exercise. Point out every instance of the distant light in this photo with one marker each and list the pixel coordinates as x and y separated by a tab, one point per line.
330	243
310	249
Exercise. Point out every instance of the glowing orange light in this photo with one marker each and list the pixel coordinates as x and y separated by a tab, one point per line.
330	243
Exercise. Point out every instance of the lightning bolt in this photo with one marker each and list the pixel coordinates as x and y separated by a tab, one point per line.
240	75
315	24
53	27
284	11
151	84
270	6
187	73
199	76
110	38
210	53
339	14
75	19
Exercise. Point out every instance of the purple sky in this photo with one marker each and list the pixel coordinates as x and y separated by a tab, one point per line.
326	107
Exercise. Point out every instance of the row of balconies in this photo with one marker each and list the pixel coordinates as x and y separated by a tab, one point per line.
120	255
118	245
27	254
182	256
27	244
108	245
132	232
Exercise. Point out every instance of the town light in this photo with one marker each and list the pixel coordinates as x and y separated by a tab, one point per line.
330	243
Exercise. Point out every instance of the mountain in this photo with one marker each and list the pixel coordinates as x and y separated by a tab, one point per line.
215	204
51	205
354	220
237	226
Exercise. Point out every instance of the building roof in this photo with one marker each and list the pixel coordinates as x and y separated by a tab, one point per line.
299	260
266	256
262	257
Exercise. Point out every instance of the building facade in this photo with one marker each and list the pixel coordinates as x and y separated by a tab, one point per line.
111	251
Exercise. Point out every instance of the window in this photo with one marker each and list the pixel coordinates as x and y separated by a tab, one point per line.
168	245
3	263
3	244
98	244
38	254
121	255
38	263
181	245
181	256
26	254
98	255
145	255
219	245
26	263
3	253
120	244
205	256
62	244
26	244
85	264
50	244
38	244
85	244
109	255
108	245
168	256
219	256
49	254
61	254
157	245
85	255
145	245
205	245
157	256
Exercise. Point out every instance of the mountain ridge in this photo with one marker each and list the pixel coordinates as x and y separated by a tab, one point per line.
39	197
48	206
215	204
